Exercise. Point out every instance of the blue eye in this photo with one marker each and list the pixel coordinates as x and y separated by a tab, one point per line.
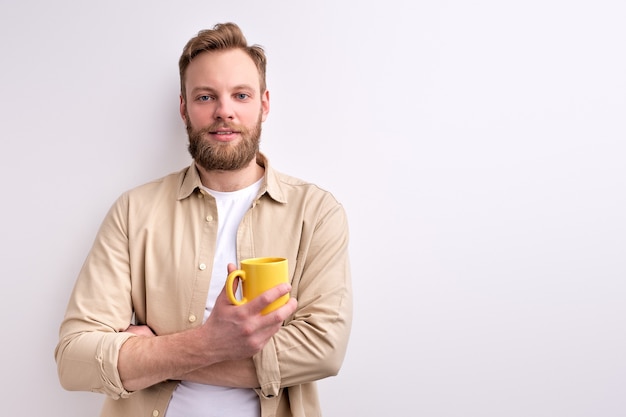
242	96
204	98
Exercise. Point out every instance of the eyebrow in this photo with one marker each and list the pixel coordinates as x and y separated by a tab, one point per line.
246	87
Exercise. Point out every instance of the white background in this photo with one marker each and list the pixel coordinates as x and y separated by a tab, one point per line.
479	149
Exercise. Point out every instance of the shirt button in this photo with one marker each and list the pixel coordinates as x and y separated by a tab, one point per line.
209	218
202	267
192	318
155	413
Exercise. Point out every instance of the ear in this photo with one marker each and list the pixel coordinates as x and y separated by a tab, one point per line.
183	109
265	105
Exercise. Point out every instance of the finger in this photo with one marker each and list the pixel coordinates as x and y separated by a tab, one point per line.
140	330
286	310
268	297
274	319
231	268
236	285
223	296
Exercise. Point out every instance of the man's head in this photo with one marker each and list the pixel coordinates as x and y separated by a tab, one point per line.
222	37
224	99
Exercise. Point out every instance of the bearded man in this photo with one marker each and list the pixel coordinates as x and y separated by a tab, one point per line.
148	323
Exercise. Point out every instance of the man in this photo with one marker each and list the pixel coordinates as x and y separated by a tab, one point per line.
148	322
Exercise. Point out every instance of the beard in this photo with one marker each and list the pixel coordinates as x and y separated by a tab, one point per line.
224	156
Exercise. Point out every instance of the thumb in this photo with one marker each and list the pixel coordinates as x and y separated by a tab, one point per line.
231	268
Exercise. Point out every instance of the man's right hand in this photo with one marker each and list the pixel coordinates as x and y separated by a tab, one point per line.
238	332
231	333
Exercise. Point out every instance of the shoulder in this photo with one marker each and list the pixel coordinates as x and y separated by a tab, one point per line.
307	197
167	185
151	194
172	180
294	187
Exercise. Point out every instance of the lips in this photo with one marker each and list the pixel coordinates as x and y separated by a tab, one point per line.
223	133
222	129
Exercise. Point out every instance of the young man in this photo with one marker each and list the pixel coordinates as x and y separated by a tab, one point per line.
148	322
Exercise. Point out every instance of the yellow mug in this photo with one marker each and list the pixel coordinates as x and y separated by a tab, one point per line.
258	275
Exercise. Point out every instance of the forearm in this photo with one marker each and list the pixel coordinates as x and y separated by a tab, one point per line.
225	337
235	374
145	361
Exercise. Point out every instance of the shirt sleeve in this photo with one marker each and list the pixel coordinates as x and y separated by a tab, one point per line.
98	311
312	345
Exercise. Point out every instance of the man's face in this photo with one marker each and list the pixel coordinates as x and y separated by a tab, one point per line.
223	110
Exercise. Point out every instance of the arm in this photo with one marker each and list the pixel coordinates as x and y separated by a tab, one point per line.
238	374
313	343
231	333
232	373
94	352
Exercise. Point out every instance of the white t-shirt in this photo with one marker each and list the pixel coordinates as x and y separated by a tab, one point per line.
200	400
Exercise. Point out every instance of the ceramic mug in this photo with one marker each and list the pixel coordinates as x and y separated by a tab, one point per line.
258	275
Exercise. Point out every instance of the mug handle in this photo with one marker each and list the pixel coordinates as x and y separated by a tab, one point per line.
239	273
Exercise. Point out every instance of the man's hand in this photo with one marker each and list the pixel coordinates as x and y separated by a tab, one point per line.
140	330
231	333
238	332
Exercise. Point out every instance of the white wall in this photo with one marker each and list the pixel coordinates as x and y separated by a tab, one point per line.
478	147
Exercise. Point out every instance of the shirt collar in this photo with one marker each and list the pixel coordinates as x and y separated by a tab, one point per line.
271	184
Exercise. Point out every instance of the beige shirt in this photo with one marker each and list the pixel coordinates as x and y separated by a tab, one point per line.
152	260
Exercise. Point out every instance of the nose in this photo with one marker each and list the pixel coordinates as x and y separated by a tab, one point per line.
224	110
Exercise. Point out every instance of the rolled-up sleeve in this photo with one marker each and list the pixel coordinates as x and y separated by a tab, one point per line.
88	362
99	309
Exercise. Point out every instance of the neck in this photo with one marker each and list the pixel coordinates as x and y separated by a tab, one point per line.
226	181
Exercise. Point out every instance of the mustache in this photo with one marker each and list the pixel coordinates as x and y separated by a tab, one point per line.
213	127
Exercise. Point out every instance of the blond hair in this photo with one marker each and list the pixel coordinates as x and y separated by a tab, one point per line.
223	36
